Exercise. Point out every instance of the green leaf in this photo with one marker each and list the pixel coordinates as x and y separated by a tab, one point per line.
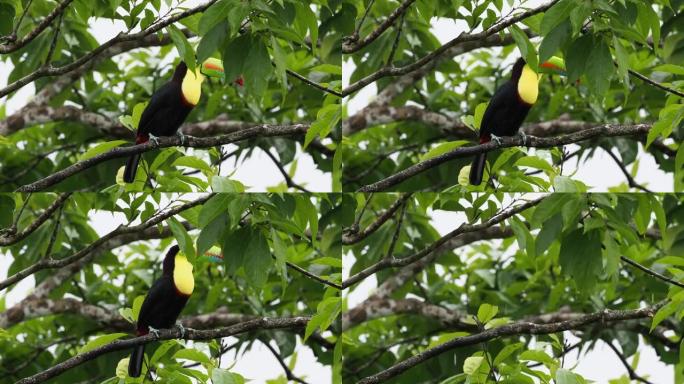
183	46
622	59
305	14
214	15
525	46
234	248
257	260
548	233
337	171
234	56
102	148
599	68
506	351
213	207
534	162
556	15
326	312
472	364
100	341
443	148
191	162
679	169
138	110
280	252
183	238
223	376
326	119
279	58
211	41
668	118
137	304
211	234
479	113
580	258
553	41
486	312
306	208
7	13
576	57
257	68
225	184
563	376
548	207
193	355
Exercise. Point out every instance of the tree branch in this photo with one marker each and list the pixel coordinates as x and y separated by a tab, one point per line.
632	374
49	263
630	180
15	45
351	44
651	272
518	328
167	334
263	130
462	38
288	372
11	237
606	130
463	228
288	180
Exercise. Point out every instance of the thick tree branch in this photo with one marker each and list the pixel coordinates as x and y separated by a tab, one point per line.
263	130
353	236
120	38
462	38
167	334
352	43
518	328
10	236
606	130
463	228
49	263
18	44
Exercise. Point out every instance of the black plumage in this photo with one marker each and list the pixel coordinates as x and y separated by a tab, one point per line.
164	114
503	117
160	309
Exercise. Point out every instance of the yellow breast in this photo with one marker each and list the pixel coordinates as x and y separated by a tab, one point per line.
192	87
182	275
528	85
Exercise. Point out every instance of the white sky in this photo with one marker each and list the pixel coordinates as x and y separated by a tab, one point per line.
600	365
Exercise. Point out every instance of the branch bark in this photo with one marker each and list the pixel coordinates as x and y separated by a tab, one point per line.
353	236
167	334
352	43
606	130
518	328
15	45
263	130
11	237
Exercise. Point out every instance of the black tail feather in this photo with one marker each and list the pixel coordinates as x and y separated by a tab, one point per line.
136	361
131	168
477	169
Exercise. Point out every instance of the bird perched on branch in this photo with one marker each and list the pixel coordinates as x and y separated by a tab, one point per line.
509	107
170	105
164	302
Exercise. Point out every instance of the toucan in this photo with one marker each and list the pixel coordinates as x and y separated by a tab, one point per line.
170	105
164	302
509	106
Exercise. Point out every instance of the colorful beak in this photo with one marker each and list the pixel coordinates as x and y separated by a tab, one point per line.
555	65
213	68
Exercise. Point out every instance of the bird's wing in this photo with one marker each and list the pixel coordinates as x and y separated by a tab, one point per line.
497	108
158	107
156	295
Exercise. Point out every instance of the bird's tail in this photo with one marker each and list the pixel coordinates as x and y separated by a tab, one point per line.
131	168
477	168
136	361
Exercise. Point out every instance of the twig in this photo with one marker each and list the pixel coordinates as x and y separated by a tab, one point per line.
313	83
651	272
288	372
11	238
390	59
655	83
630	180
166	334
517	328
53	44
352	44
348	239
288	180
632	374
313	276
263	130
15	45
606	130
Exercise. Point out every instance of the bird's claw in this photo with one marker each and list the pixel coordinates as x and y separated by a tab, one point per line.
497	140
154	139
523	136
181	136
181	328
154	331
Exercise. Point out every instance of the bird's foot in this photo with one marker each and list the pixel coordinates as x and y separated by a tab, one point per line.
181	136
181	328
496	139
154	139
523	136
154	331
